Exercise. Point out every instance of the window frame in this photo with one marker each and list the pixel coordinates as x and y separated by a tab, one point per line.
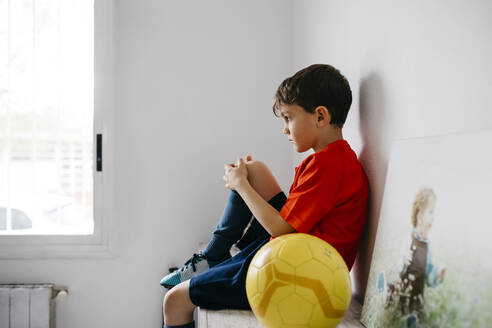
101	242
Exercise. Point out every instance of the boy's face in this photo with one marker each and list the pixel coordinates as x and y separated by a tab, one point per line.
299	126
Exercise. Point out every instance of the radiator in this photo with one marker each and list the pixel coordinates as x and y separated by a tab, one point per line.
29	305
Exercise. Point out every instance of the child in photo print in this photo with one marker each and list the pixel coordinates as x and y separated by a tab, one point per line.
417	268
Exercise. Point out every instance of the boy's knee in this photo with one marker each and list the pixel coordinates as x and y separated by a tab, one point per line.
172	298
256	166
262	180
177	301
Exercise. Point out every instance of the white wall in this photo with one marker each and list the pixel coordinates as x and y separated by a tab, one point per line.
416	68
194	84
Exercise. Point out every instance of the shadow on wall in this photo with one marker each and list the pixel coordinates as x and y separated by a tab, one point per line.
373	157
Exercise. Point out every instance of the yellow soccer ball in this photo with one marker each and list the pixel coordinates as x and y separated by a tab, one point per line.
298	280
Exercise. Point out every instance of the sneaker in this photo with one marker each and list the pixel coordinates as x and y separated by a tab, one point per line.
193	267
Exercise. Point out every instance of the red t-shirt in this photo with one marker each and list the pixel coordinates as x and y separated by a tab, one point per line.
328	198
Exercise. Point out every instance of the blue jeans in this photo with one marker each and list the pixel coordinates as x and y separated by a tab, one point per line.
234	220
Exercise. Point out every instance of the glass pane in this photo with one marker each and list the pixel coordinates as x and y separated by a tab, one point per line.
47	59
3	65
46	117
21	68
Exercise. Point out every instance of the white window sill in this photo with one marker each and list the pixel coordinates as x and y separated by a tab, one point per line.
55	247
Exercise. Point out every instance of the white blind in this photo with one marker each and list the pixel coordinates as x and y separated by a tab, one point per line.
46	116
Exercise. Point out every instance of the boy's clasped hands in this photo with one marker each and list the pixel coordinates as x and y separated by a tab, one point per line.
236	174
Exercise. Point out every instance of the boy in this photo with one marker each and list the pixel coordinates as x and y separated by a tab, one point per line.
328	198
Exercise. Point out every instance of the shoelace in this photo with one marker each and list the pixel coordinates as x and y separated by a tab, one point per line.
192	261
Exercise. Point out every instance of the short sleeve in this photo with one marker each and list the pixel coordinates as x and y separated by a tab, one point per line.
313	196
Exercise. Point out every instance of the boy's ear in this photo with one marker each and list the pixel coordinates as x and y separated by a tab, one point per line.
323	116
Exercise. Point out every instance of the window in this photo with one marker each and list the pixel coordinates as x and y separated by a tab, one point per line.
81	111
46	117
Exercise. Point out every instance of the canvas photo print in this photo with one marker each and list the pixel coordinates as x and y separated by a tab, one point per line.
431	263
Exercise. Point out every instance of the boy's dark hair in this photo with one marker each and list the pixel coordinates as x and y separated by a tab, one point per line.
317	85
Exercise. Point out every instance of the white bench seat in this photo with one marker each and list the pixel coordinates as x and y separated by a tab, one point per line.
246	319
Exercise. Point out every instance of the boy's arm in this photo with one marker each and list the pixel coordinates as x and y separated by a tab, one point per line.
268	216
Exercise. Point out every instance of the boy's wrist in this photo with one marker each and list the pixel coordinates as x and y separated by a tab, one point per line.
244	183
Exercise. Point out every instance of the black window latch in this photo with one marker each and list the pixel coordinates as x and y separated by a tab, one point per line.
99	153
